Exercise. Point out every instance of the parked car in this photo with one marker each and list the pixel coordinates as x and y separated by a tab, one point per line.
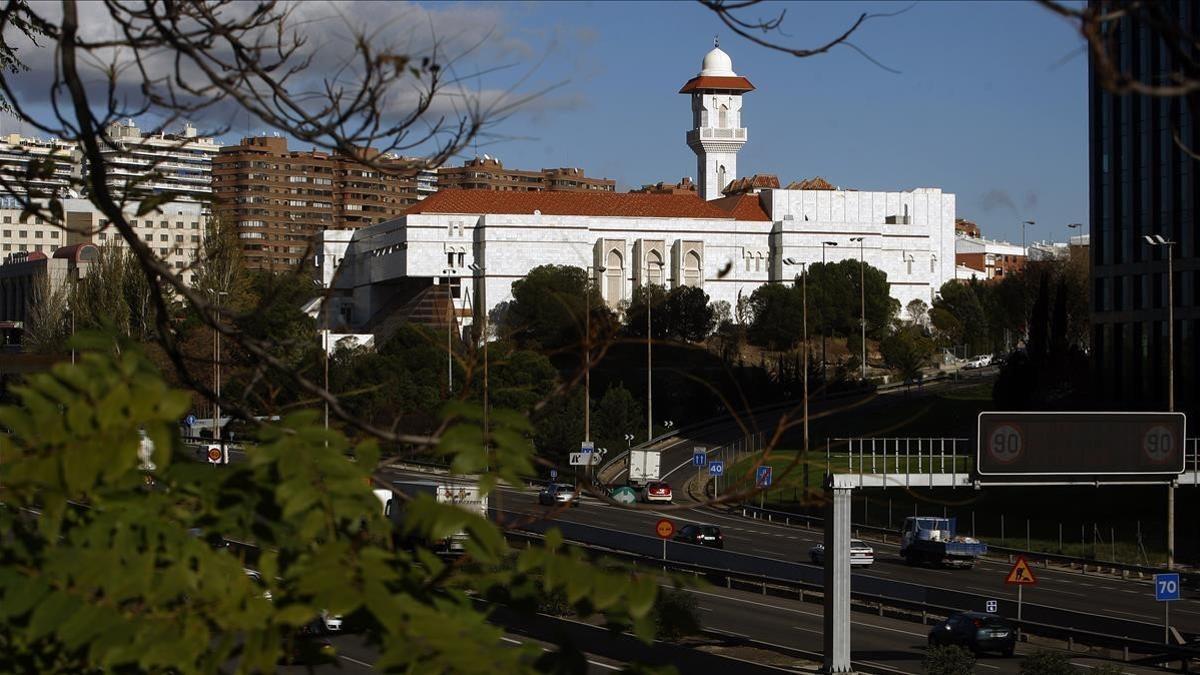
861	554
981	361
976	631
658	491
558	493
702	535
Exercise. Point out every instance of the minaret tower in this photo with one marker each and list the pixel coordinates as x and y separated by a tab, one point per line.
717	132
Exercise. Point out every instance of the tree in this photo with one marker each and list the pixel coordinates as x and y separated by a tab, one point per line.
618	413
917	311
778	316
1045	662
549	307
107	564
835	299
907	351
689	316
949	660
635	314
960	302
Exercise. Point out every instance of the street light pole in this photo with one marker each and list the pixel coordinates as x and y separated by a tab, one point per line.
824	360
1024	251
804	329
449	326
1160	241
217	369
587	358
862	298
649	362
481	302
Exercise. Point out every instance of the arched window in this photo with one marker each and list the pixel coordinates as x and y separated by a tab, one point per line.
614	274
720	177
691	269
723	117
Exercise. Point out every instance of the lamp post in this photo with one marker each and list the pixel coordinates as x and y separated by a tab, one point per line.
217	369
824	362
649	361
449	326
1024	252
862	299
479	271
587	346
804	334
1160	241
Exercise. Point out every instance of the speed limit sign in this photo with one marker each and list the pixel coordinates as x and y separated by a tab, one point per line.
1159	444
1005	444
216	455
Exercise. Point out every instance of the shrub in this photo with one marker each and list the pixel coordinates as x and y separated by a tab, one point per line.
949	660
676	615
1044	662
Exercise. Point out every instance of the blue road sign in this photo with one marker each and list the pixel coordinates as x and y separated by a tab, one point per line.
1166	587
190	420
587	446
716	467
553	474
699	457
763	478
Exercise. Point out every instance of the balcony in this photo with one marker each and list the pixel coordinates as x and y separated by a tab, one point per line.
707	134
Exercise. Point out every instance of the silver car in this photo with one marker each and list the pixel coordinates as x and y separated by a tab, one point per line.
558	493
861	555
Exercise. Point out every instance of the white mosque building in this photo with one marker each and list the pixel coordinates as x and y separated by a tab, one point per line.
470	245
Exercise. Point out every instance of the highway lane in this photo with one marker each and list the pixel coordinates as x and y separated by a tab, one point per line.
762	547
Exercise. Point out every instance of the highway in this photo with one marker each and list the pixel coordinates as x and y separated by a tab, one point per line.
781	551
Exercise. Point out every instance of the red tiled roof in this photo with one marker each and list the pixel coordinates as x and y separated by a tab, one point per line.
551	203
742	207
708	82
816	183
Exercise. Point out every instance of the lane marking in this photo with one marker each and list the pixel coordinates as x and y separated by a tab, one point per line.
548	650
356	661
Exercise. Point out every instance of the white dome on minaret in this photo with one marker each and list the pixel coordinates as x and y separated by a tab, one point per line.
717	64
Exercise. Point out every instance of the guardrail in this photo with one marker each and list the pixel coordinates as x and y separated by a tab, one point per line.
1124	569
881	602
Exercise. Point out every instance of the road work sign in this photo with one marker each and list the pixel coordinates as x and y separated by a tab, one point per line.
1021	574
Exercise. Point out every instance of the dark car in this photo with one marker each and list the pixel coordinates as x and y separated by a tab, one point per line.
703	535
976	631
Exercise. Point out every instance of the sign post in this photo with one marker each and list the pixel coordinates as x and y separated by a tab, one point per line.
1021	575
716	469
1166	591
762	481
664	529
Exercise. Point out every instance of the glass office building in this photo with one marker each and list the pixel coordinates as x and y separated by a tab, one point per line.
1144	182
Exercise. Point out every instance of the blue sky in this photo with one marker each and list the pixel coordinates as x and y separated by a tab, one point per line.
990	102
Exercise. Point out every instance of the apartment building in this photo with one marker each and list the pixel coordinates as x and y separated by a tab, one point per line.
17	152
175	232
278	198
179	164
488	173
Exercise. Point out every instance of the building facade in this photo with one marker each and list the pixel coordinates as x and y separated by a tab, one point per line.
277	199
178	164
27	278
488	173
717	133
476	243
1142	183
175	231
994	259
16	154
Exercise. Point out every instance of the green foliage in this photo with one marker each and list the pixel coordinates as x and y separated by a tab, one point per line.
907	351
635	314
778	318
837	291
676	615
1043	662
549	308
683	314
959	316
949	660
99	570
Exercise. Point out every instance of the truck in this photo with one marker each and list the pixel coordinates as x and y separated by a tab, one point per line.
931	540
462	492
643	466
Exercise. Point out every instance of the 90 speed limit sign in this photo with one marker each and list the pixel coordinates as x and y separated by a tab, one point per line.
1005	444
1159	444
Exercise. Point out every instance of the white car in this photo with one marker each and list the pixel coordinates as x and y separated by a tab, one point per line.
558	493
979	362
861	555
658	491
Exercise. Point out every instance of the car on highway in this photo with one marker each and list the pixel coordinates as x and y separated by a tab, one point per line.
701	535
861	554
658	491
558	493
976	631
982	361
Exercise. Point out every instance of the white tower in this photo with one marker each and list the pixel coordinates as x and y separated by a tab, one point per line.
717	132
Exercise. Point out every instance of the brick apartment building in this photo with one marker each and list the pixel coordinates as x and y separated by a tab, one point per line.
488	173
277	198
